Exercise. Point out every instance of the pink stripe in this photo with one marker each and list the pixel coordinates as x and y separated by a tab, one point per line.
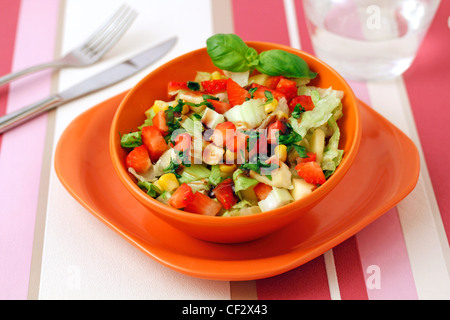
22	148
262	20
385	261
8	26
427	85
307	282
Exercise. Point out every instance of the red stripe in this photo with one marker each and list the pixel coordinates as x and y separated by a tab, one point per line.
308	282
262	20
9	14
351	280
427	83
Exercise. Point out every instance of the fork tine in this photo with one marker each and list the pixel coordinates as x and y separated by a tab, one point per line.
111	23
110	37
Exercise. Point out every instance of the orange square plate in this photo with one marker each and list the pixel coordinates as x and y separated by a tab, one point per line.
385	171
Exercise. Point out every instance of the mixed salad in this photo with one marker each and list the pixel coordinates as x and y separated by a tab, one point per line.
250	138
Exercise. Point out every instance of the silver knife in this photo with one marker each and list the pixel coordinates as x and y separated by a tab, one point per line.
100	81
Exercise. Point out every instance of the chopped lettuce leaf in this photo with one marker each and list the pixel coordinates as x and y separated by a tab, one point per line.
215	178
150	175
131	140
320	115
242	182
199	185
150	113
193	126
193	173
332	156
242	208
248	115
150	188
164	197
316	92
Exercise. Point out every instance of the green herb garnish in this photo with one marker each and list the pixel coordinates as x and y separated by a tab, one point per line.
230	52
194	86
298	110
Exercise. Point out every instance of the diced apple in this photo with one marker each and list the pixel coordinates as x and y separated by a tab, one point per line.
301	188
212	118
278	197
280	178
317	144
258	79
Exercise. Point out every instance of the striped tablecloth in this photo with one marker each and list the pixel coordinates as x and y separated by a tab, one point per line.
52	248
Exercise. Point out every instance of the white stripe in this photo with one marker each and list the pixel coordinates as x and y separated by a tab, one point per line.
333	283
291	20
419	214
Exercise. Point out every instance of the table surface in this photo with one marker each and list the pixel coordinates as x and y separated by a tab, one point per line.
52	248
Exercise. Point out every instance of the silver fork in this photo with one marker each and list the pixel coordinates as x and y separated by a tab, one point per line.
91	50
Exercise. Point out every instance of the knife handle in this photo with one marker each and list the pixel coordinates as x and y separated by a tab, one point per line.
20	116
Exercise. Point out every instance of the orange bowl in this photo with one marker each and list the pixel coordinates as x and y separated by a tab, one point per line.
130	115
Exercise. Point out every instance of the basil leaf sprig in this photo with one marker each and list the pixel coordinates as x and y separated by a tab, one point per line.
229	52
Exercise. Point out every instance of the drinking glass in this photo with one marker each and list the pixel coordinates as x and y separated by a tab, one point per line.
368	39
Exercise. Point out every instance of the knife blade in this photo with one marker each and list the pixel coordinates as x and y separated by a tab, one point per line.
97	82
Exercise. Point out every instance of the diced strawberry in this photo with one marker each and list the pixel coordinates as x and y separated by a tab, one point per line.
182	142
214	86
154	141
260	93
262	190
236	94
176	86
311	156
225	194
305	101
311	172
220	106
272	82
273	128
204	205
288	88
182	197
222	133
237	142
139	159
160	122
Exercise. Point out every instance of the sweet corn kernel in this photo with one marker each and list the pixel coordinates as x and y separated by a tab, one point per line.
167	182
159	105
230	156
227	168
270	107
216	75
281	152
185	109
